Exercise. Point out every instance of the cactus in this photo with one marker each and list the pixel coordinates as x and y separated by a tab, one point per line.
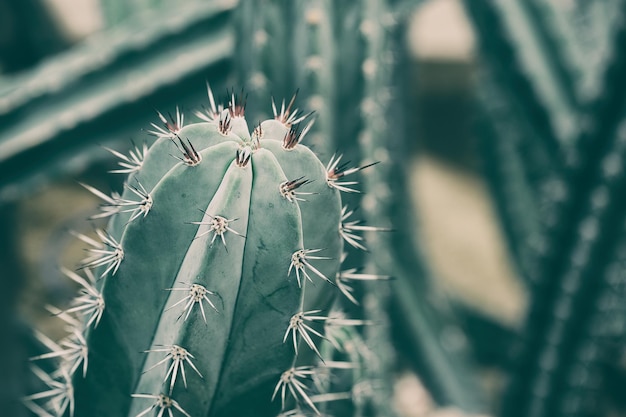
551	102
210	290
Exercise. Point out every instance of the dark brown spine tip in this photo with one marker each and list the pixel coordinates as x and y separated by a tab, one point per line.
288	189
342	170
292	138
225	122
295	135
256	136
190	157
243	157
293	185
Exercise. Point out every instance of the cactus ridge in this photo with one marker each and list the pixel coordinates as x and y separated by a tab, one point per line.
217	275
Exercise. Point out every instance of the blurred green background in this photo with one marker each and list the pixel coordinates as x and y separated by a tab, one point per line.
495	102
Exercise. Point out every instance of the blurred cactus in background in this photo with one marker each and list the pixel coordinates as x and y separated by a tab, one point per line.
548	98
552	99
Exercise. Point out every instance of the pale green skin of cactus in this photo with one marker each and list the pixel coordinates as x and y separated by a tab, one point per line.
239	350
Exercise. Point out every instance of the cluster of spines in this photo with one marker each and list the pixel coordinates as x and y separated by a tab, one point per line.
304	382
105	254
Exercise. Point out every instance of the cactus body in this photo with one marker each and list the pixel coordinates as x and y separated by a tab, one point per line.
216	273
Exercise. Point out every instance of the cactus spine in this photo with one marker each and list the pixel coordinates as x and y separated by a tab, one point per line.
213	283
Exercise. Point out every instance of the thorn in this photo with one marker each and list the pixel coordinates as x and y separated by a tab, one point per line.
190	156
243	156
288	189
297	326
300	262
336	171
170	127
347	229
290	381
196	294
218	225
295	135
108	252
256	136
289	116
162	402
237	104
132	162
179	357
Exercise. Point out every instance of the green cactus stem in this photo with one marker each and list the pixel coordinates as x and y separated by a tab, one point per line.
212	286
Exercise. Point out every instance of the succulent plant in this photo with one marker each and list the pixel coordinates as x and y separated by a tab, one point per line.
212	289
155	332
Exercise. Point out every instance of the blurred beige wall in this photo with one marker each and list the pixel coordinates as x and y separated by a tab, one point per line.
78	18
463	241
